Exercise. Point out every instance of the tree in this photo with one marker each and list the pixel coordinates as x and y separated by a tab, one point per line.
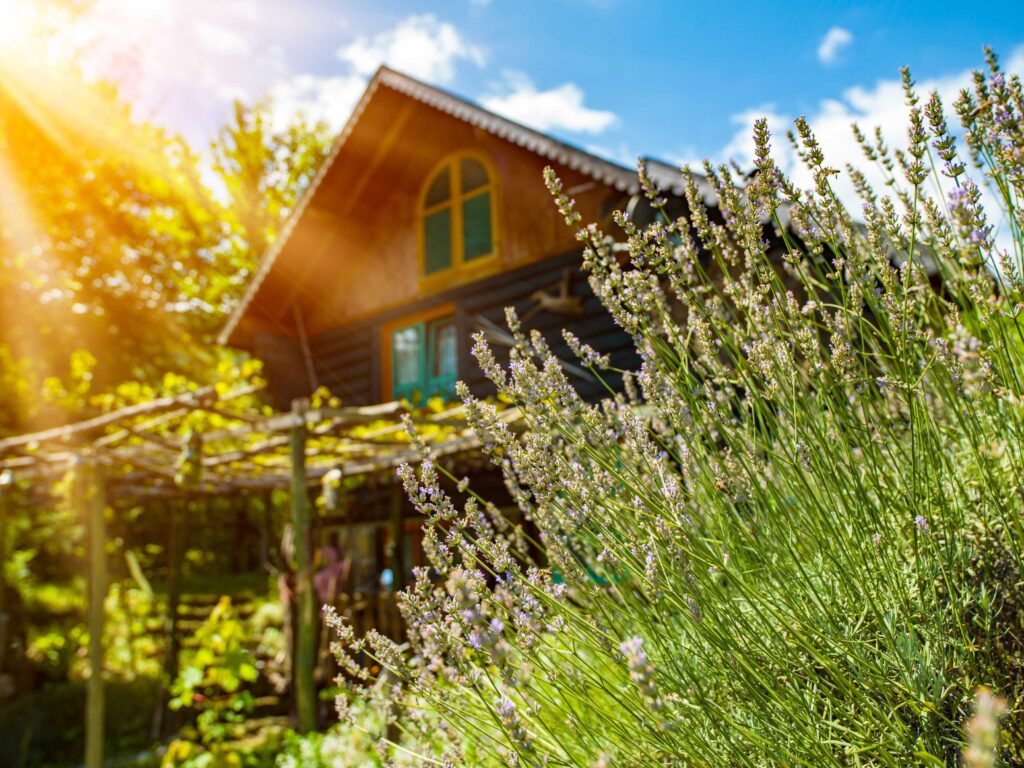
265	170
107	233
112	241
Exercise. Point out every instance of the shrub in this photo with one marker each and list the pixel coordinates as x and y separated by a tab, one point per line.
213	681
795	539
46	727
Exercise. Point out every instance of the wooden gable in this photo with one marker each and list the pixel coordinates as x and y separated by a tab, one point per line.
356	250
349	265
369	260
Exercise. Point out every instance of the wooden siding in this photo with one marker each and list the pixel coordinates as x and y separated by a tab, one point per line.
348	359
594	326
345	361
283	367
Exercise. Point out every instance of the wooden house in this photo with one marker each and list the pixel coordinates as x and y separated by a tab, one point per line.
427	219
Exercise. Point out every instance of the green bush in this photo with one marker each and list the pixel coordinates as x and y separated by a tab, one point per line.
795	540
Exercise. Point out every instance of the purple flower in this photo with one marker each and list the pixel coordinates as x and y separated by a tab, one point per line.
979	235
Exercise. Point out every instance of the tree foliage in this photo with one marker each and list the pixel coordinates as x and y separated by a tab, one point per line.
119	239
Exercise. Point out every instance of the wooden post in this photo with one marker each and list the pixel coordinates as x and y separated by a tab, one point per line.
398	564
175	549
265	526
6	486
90	504
305	631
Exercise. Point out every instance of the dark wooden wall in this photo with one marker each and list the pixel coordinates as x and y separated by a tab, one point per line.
346	362
283	367
347	359
595	326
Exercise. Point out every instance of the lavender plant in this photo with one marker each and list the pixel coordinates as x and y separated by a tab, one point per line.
794	539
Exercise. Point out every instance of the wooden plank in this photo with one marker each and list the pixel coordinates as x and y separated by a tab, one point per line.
145	426
305	640
6	488
90	503
72	430
230	457
159	421
348	341
176	548
248	418
397	537
36	459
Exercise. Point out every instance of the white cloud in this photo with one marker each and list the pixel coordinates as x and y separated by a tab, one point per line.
879	105
558	108
330	99
248	10
832	43
180	61
221	40
420	46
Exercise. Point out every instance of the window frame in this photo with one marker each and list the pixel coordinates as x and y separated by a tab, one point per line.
424	320
459	269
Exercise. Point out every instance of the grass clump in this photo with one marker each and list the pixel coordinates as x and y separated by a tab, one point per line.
795	538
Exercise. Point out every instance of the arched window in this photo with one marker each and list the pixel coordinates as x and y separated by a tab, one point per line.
458	216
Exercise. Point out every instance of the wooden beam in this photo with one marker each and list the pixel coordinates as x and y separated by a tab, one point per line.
248	418
307	354
142	426
175	550
398	537
132	411
90	504
158	421
201	398
6	488
305	631
265	521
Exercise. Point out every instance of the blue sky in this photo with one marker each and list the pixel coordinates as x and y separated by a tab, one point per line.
679	80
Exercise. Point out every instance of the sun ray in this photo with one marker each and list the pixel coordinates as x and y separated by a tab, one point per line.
66	141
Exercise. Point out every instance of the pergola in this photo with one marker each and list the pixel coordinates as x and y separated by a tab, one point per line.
215	442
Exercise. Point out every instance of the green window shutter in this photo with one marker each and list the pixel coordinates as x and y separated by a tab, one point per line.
407	362
476	227
437	241
442	357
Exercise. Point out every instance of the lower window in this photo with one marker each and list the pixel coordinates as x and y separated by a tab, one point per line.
424	359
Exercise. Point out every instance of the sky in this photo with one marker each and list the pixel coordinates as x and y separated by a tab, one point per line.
677	80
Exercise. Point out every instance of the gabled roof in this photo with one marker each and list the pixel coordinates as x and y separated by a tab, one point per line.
617	176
